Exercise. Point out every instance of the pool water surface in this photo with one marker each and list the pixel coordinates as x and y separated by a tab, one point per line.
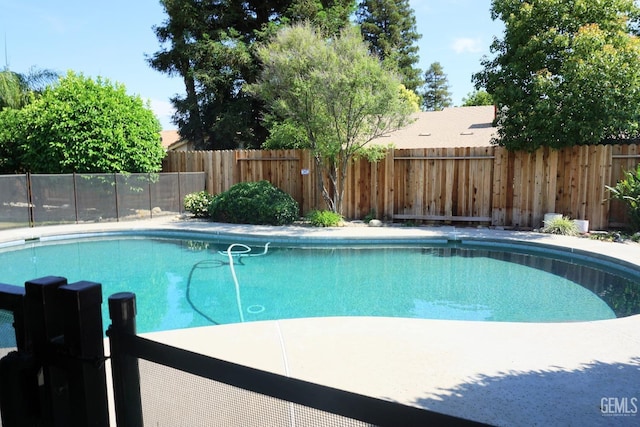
182	283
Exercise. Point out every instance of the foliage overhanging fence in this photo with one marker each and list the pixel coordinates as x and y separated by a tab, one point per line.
43	199
488	185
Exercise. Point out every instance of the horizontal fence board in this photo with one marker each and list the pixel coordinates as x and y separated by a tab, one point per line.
484	184
448	218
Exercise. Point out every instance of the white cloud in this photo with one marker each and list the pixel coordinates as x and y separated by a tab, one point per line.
467	45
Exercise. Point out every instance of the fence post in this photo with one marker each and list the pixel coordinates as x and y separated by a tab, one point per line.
115	188
30	201
18	384
124	368
150	198
180	198
46	327
84	348
75	197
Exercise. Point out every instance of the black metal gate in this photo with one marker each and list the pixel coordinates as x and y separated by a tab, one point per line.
56	374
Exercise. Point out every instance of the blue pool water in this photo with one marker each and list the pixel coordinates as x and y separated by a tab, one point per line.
189	283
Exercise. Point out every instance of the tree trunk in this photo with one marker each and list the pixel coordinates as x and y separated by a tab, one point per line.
194	108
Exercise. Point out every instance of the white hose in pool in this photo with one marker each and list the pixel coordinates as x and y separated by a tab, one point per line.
245	251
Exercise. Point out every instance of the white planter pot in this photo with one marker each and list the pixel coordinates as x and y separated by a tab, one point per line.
550	217
582	224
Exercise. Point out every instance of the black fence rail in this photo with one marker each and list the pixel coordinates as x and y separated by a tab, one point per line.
56	374
231	394
44	199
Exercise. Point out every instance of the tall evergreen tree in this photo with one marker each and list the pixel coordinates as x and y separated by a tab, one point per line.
331	16
210	45
389	26
436	95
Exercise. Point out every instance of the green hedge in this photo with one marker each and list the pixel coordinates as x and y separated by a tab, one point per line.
254	203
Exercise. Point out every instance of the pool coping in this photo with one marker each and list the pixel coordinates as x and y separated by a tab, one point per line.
499	373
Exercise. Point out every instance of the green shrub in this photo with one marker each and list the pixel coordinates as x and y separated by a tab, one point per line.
324	218
198	203
254	203
628	191
562	225
371	215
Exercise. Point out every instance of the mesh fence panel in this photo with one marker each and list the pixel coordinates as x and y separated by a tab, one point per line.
96	194
191	182
7	333
70	198
53	199
14	201
171	397
133	196
165	194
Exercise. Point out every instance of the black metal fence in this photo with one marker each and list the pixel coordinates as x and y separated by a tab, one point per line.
43	199
56	375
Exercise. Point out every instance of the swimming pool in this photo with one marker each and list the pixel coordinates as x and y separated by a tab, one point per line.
184	281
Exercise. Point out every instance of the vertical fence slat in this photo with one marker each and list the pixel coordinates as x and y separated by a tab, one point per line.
389	190
500	181
551	172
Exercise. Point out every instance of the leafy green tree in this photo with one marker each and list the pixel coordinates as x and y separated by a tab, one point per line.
478	97
82	125
337	92
436	95
210	45
389	26
9	126
566	72
627	190
16	89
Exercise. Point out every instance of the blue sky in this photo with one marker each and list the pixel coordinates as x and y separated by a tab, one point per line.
111	39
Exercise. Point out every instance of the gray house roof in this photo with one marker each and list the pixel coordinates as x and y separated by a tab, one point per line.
451	127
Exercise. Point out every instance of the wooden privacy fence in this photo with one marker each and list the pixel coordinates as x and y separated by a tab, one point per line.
465	184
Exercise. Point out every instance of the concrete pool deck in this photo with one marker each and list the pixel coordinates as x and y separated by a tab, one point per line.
500	373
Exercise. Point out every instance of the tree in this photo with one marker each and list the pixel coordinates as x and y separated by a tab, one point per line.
566	72
9	161
337	92
389	26
16	89
478	97
329	16
436	95
82	125
210	45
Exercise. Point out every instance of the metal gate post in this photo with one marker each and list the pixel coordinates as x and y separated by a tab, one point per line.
57	377
84	351
124	368
12	299
46	327
18	382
